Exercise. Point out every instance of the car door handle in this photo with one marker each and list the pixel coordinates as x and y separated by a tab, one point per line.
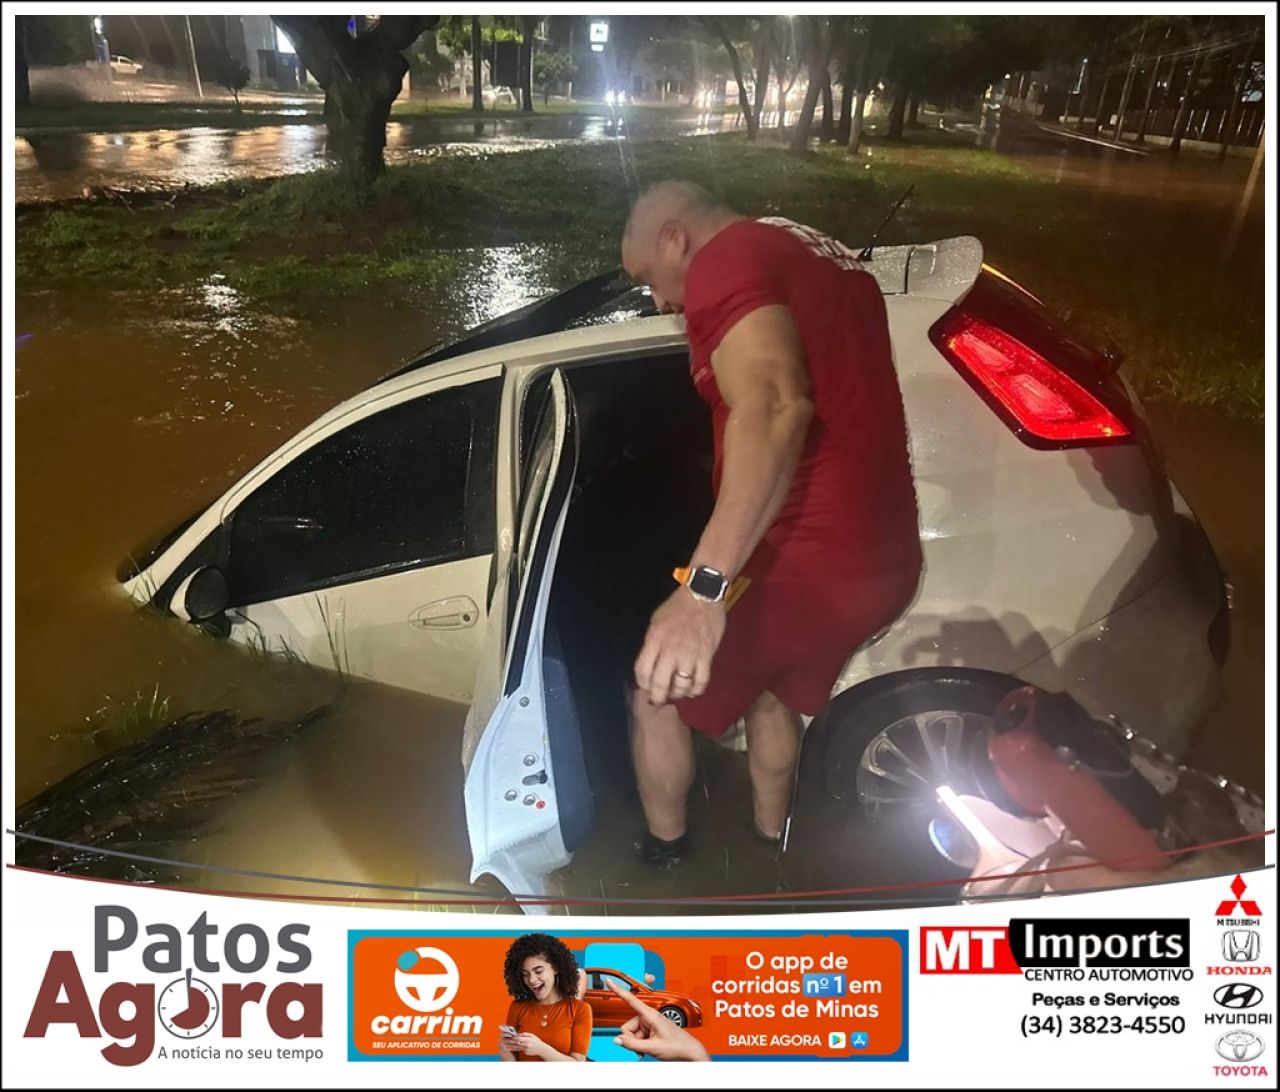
459	612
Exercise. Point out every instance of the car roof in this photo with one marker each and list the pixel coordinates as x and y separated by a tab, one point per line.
605	298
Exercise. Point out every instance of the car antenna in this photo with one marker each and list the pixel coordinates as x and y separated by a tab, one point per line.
864	254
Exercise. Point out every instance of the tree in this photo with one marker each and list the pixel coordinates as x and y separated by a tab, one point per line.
361	77
233	74
477	95
57	39
427	64
22	74
528	26
820	43
551	68
720	25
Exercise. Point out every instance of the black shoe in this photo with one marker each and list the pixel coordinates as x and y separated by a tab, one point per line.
660	854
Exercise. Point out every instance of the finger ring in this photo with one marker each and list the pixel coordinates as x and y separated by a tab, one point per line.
683	675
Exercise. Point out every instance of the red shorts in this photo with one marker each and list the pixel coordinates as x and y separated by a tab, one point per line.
792	639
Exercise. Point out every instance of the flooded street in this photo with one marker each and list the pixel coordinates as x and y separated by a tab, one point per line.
53	166
134	409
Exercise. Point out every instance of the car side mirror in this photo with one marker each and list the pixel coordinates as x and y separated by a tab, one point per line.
206	595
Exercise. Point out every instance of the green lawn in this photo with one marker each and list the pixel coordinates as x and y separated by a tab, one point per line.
1127	270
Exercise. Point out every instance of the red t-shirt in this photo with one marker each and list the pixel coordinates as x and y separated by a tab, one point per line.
851	509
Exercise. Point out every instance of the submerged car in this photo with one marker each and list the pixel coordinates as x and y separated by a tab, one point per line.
494	523
608	1010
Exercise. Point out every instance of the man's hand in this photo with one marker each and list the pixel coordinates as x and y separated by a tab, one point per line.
675	661
649	1032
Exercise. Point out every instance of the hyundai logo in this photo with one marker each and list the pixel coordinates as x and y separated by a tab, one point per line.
1239	1046
1238	995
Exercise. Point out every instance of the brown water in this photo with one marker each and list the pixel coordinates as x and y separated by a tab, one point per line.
133	409
52	165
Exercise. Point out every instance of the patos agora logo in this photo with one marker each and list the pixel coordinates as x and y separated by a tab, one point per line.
186	1005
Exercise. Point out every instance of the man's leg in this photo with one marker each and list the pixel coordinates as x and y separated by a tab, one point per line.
662	748
773	747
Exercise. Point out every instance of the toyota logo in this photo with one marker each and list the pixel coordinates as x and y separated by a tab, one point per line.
1239	1046
1238	995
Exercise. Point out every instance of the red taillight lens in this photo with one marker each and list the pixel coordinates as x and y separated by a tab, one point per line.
1041	399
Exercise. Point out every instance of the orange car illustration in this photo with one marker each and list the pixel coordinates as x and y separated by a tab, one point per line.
609	1011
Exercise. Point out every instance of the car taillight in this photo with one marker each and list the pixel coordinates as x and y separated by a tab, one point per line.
1038	400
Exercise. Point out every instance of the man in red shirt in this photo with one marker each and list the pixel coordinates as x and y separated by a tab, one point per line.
815	512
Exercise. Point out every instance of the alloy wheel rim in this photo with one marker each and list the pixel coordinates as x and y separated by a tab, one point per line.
905	762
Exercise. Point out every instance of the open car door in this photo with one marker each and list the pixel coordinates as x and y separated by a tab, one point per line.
528	802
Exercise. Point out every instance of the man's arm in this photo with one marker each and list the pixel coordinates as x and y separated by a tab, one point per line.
760	371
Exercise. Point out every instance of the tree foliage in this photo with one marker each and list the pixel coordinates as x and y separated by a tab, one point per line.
233	74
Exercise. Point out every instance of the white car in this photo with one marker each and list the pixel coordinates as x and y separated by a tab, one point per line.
494	522
123	66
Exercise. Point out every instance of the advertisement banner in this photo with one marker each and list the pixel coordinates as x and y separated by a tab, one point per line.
759	995
109	985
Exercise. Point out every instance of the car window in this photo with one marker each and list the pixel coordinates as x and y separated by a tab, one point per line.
407	487
621	983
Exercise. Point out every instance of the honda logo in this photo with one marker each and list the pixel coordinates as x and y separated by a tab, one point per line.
1238	995
1240	945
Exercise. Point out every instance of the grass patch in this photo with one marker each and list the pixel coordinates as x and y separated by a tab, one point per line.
114	117
120	723
1123	268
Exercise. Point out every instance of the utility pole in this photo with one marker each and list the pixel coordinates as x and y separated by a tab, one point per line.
191	47
1232	119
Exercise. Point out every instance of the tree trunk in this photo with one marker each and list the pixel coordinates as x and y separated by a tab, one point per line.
1146	106
744	100
855	127
898	113
22	93
847	89
762	74
361	78
530	22
1125	92
477	71
828	130
1233	114
913	112
819	62
1102	101
1184	107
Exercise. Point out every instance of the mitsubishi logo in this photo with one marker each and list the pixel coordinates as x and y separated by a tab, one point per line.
1248	907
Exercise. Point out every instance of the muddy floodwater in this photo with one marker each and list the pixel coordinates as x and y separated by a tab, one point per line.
134	409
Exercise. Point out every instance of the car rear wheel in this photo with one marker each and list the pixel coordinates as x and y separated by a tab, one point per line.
675	1015
866	795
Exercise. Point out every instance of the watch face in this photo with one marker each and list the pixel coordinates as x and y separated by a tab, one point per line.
707	583
188	1008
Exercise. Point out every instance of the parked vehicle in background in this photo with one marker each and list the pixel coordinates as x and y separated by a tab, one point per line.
123	66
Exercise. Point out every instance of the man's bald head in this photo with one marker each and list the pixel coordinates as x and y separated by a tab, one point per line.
668	224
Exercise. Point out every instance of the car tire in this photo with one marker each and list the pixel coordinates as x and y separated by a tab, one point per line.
864	796
675	1015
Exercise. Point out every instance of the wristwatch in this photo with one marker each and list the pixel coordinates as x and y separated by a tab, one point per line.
704	582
